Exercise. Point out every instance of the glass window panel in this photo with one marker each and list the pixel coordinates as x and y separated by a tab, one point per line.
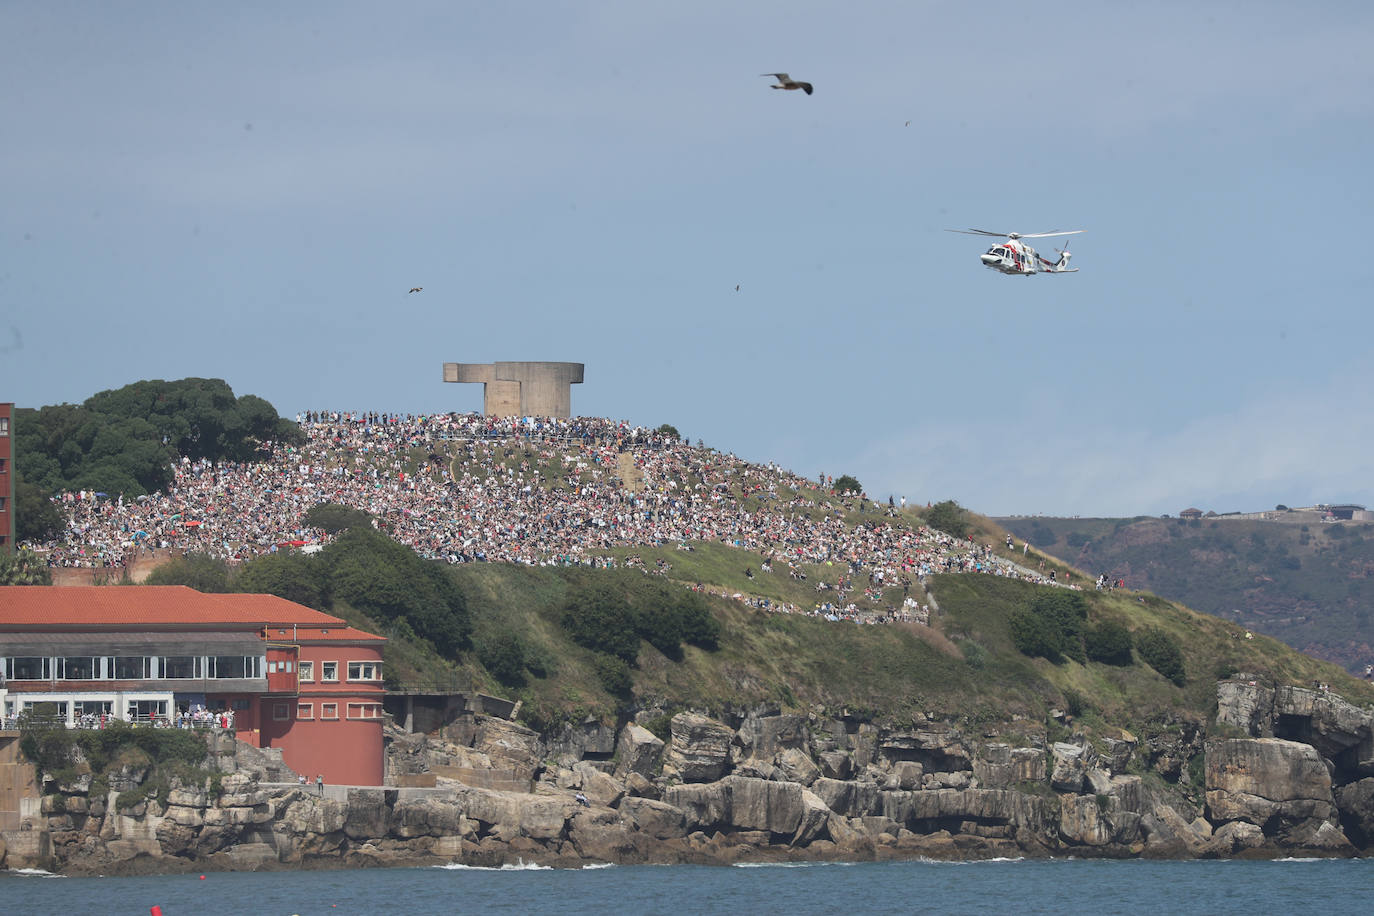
181	666
130	667
229	666
76	668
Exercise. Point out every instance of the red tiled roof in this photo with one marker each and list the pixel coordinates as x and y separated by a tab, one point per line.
121	607
332	634
313	634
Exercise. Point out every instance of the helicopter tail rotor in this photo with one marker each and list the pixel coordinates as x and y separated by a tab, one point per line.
1064	255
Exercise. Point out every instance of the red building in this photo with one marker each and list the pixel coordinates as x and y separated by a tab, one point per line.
7	524
278	673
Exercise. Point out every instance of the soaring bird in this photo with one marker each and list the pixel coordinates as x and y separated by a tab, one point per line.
415	289
786	82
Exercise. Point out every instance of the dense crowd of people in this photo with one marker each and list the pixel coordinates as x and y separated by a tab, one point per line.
539	491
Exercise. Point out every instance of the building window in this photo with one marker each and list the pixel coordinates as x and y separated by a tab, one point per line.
2	504
130	667
307	671
329	671
4	426
177	667
281	712
76	668
28	668
305	710
364	671
4	463
234	666
241	704
271	667
329	710
364	710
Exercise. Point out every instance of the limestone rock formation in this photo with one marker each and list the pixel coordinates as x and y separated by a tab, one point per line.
485	790
699	749
1282	787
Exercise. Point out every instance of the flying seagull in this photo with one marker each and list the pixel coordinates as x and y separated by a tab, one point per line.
786	82
415	289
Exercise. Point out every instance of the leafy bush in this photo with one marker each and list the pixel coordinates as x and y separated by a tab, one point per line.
199	571
613	673
1109	643
599	615
1033	635
949	517
666	616
1162	653
1050	625
599	618
502	653
23	567
975	656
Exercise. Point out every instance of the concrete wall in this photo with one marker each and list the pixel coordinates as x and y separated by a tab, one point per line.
521	389
17	781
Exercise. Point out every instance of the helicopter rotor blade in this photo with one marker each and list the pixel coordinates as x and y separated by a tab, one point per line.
1045	235
996	235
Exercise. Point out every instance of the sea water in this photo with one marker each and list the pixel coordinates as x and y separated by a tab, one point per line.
1001	886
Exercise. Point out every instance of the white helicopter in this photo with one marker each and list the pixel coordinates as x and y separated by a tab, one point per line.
1016	257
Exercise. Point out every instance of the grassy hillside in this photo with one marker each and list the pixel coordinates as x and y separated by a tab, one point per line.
964	665
1309	584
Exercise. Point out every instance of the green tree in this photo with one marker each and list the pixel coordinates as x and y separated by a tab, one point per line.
1162	653
847	484
36	517
373	573
668	429
333	518
23	567
294	576
950	517
124	440
199	571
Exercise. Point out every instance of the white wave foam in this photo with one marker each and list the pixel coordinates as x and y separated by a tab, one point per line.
518	865
786	864
33	873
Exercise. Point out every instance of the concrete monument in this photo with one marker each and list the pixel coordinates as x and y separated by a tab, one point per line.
521	389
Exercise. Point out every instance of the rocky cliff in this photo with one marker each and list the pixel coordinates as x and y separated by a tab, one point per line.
1284	771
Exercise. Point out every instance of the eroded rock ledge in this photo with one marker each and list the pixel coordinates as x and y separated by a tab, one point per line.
760	785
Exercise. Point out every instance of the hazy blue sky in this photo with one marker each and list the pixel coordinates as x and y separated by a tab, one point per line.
247	191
